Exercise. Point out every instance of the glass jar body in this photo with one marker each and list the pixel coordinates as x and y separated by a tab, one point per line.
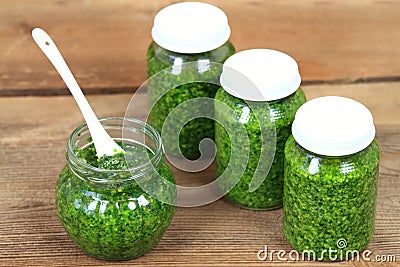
281	113
329	202
193	132
105	212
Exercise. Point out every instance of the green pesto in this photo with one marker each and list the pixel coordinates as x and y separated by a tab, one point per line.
194	131
281	112
112	221
329	198
114	162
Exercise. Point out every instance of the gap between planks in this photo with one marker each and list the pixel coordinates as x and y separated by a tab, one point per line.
4	92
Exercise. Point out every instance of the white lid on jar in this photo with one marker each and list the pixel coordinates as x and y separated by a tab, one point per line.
260	75
190	27
333	126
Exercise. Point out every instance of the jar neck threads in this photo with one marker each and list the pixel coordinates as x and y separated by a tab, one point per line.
129	132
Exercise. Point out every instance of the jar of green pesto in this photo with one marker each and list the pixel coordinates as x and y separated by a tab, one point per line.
99	201
256	84
182	33
331	175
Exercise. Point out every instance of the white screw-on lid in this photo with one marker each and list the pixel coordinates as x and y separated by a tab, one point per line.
333	126
260	75
190	27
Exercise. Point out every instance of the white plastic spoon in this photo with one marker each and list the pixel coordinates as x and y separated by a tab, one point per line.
103	143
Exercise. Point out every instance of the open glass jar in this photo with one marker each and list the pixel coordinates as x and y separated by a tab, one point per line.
99	202
331	175
182	33
261	89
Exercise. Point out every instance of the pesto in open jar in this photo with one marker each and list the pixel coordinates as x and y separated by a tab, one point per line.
331	175
257	84
182	33
99	201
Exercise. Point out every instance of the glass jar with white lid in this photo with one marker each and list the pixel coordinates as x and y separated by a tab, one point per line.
331	176
186	32
261	88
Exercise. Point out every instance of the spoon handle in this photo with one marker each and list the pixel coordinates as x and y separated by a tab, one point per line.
104	144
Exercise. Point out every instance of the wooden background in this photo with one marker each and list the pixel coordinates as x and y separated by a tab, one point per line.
349	48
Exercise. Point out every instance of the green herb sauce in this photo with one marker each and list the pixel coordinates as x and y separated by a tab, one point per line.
194	131
281	112
329	198
112	221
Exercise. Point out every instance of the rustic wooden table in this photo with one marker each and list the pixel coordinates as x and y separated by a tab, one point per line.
349	48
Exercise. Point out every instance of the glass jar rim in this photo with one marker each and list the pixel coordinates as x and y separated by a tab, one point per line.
152	161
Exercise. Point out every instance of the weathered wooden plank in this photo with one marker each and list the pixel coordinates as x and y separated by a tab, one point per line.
383	99
215	234
27	118
33	134
105	42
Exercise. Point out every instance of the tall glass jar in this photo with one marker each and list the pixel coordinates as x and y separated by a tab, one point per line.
256	84
182	33
331	175
99	202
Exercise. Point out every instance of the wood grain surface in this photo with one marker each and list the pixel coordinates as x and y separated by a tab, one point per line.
33	134
105	41
349	48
